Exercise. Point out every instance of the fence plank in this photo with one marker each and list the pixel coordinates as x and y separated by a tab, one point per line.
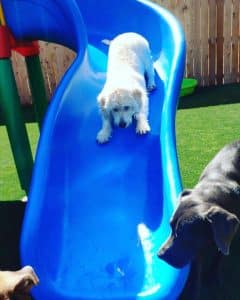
20	73
235	41
179	11
197	40
220	22
227	33
189	5
212	41
204	21
164	3
44	47
63	60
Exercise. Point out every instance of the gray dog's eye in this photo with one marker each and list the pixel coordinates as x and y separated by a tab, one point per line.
116	109
126	107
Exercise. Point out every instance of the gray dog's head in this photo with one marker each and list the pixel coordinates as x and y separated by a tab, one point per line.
195	224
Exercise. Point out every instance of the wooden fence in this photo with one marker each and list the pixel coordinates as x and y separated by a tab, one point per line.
212	34
55	60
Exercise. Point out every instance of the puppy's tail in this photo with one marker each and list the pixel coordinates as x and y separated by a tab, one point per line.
106	42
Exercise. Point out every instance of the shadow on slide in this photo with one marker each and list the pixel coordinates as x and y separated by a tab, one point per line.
97	214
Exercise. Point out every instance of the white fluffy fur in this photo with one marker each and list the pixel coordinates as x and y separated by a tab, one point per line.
124	94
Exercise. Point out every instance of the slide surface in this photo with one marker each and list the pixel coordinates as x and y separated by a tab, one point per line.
97	214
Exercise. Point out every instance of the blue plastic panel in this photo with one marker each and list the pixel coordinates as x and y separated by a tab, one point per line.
97	214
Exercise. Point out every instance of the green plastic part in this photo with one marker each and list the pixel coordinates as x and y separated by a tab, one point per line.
188	86
17	133
37	87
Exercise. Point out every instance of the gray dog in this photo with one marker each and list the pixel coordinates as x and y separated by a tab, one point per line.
209	213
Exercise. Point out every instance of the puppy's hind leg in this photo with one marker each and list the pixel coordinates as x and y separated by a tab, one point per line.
149	72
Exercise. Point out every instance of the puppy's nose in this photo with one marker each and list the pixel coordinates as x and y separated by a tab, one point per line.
122	124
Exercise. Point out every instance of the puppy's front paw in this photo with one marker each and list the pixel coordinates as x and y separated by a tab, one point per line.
143	127
103	136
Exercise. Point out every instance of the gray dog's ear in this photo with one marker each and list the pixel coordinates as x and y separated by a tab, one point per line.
185	192
224	225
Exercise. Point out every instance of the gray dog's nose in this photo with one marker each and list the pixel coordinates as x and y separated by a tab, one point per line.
122	124
161	252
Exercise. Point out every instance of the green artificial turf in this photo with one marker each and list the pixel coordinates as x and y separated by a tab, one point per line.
201	132
205	122
9	185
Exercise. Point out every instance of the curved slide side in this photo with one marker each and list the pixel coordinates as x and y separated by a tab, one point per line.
98	213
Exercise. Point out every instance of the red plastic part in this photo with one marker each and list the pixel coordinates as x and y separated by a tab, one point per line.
8	43
25	48
5	44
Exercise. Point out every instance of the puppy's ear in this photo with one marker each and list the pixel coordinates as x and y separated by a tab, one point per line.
138	96
102	101
137	93
224	226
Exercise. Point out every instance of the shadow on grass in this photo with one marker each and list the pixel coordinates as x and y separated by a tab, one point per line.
11	216
27	112
210	96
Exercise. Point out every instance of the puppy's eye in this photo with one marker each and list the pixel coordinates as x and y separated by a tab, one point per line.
115	109
126	107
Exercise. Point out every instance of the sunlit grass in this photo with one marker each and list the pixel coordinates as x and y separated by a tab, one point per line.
9	184
201	132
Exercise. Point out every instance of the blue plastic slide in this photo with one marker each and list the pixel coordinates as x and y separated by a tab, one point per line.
97	214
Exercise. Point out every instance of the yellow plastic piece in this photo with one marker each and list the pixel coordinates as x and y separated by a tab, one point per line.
2	19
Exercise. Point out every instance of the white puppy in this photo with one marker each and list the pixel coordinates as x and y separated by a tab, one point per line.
124	94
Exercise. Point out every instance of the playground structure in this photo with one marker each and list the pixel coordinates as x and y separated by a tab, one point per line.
9	98
97	214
